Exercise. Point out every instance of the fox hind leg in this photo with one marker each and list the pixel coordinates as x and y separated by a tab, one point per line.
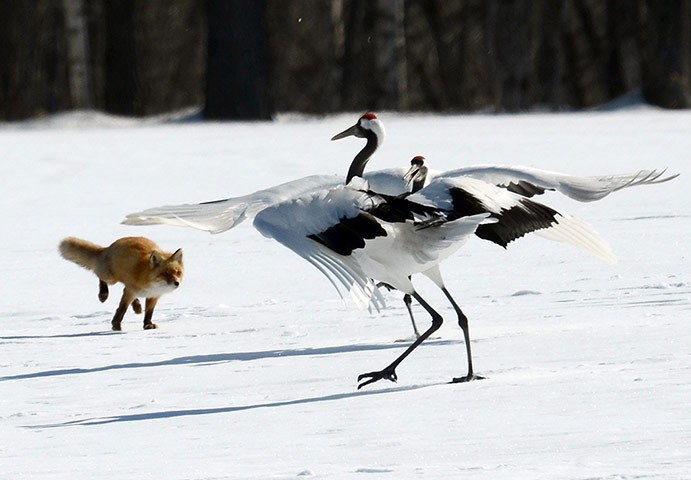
150	305
102	290
136	306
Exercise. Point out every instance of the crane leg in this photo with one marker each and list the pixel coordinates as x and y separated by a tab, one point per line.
407	299
463	323
408	305
389	373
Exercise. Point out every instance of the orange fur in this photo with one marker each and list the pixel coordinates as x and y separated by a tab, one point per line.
137	262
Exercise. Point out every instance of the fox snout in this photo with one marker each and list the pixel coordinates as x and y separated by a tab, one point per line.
173	279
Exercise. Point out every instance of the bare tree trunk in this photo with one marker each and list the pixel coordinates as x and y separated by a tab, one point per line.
374	56
121	60
451	55
237	85
666	52
81	91
390	53
33	78
305	43
154	56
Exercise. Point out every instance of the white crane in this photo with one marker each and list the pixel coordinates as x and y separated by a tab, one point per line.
529	182
416	177
448	191
353	235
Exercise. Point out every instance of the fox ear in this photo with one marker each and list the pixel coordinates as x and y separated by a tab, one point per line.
177	256
155	259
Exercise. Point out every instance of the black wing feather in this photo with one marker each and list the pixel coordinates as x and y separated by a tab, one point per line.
349	233
513	223
525	189
398	209
526	217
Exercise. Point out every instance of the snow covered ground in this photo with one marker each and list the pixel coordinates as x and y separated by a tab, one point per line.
252	372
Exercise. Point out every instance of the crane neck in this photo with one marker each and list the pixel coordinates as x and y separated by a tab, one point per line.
417	185
357	168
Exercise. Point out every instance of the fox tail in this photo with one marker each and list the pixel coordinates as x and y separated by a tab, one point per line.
81	252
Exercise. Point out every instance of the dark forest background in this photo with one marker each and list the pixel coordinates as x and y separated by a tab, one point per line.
248	59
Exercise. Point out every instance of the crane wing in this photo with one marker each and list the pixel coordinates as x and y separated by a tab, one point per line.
527	181
514	215
388	181
221	215
310	225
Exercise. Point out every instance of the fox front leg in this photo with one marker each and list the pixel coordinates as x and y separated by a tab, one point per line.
102	291
125	301
150	305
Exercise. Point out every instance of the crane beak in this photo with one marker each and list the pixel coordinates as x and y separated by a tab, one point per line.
411	174
350	132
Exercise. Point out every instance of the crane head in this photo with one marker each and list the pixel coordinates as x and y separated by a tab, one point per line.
366	125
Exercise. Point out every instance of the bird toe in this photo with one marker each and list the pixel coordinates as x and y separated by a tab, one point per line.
386	374
468	378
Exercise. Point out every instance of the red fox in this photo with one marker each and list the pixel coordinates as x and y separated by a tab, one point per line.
137	262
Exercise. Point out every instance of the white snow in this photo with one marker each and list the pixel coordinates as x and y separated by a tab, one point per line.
252	372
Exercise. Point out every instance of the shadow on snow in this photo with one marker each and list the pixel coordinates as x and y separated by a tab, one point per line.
224	357
211	411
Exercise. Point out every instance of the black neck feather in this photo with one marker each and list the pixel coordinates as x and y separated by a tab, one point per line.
357	168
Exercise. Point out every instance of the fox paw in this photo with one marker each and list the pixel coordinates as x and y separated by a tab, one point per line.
136	306
150	326
117	327
102	291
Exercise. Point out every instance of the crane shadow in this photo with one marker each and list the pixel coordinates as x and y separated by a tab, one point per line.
211	359
223	410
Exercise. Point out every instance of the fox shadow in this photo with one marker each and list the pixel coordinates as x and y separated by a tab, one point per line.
59	335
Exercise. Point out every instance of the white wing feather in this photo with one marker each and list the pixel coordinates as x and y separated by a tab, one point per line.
580	234
388	181
222	215
291	222
581	188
